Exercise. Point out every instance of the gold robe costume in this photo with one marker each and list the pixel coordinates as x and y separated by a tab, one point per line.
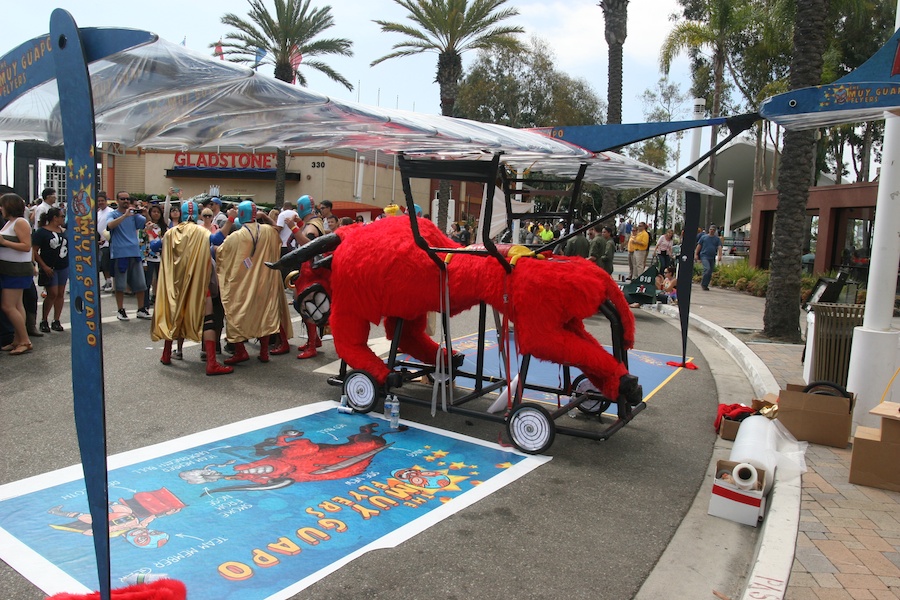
183	282
252	293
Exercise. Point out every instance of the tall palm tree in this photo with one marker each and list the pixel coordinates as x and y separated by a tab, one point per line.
615	19
286	37
449	28
781	319
723	18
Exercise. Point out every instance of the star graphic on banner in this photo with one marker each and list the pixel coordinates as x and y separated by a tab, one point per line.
81	172
430	458
474	473
441	463
505	465
476	482
458	465
440	453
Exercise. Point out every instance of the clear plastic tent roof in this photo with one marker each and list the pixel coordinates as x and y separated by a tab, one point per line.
163	95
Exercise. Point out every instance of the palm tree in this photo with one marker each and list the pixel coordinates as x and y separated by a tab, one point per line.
723	19
615	17
286	37
449	28
781	319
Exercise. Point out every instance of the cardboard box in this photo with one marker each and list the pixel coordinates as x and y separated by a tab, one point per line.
730	502
874	461
875	451
816	418
890	421
728	429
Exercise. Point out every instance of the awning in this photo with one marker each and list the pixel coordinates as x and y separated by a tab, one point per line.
162	95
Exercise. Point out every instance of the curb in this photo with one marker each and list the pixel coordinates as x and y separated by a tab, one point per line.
768	578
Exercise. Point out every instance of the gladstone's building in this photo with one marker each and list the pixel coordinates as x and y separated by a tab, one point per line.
369	178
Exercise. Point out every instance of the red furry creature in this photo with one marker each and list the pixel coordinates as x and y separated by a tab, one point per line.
380	274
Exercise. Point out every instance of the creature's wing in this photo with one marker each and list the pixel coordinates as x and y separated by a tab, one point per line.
350	461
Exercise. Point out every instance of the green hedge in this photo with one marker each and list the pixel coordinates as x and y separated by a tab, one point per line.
752	280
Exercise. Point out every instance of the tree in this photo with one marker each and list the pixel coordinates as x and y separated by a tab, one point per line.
715	25
524	89
450	28
289	39
615	18
781	319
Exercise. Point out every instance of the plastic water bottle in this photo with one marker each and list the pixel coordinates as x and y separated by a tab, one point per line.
388	407
395	413
345	406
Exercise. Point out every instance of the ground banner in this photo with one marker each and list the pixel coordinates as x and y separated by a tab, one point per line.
258	509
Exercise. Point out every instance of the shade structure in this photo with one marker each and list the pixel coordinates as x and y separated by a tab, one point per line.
156	94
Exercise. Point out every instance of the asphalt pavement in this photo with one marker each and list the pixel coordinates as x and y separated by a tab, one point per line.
592	523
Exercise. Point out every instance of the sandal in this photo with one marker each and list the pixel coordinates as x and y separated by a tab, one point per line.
8	347
22	349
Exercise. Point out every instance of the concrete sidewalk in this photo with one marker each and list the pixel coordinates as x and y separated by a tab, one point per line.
832	539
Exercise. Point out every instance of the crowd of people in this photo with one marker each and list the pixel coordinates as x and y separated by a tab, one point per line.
193	269
220	250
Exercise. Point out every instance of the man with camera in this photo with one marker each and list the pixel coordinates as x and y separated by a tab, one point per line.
125	253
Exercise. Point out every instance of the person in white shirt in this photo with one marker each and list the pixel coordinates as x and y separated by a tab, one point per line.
49	201
103	212
287	212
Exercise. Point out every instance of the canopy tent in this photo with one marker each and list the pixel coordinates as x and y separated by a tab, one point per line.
151	93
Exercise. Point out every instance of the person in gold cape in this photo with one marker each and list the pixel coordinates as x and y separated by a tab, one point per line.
252	294
183	303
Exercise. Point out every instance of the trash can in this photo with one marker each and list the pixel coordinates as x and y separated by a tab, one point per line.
833	339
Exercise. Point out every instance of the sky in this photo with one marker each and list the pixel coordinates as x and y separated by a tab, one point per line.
573	30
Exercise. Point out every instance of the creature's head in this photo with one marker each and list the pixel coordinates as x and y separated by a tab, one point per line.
312	291
246	212
305	206
189	211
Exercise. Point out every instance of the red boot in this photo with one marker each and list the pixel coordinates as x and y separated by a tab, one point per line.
240	354
166	357
313	342
264	349
285	346
212	365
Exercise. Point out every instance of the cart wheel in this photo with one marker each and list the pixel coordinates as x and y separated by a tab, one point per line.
582	385
361	391
531	428
825	388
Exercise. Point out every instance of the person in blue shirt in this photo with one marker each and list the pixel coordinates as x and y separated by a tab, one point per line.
125	254
709	249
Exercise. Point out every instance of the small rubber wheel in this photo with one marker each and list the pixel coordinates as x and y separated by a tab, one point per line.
530	428
826	388
581	386
361	391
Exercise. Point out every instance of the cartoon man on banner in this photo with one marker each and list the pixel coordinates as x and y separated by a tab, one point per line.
129	519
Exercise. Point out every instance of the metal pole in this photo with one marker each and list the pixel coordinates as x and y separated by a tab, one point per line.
699	110
873	358
729	202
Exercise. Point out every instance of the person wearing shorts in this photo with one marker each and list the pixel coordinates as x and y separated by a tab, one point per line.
125	254
51	251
